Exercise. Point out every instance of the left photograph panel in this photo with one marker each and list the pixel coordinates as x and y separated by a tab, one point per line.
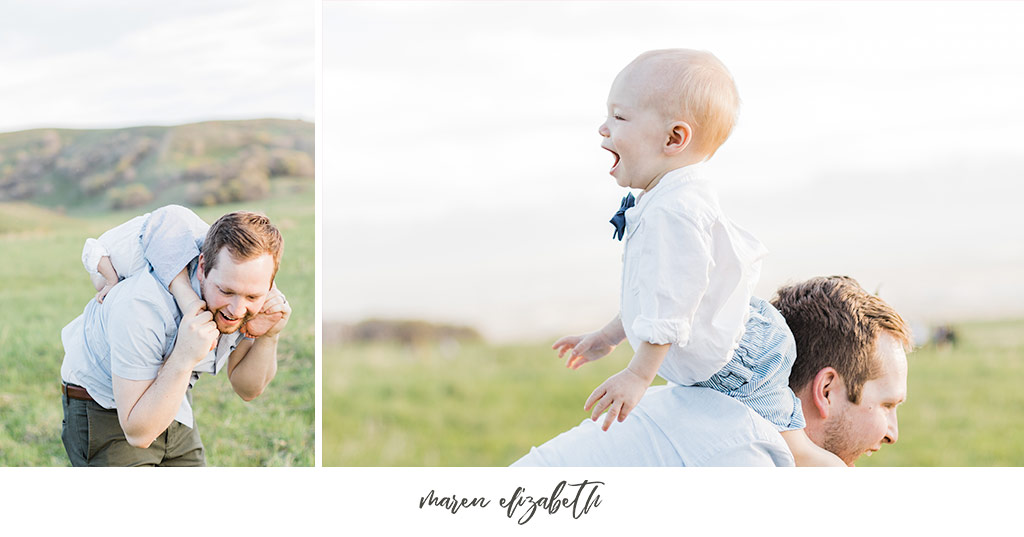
157	232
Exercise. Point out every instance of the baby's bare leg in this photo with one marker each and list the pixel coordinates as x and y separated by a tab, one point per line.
182	290
106	270
105	280
807	453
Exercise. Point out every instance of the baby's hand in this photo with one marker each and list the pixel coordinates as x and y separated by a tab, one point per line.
102	293
619	394
585	348
272	318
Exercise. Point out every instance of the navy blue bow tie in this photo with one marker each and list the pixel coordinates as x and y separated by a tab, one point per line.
619	220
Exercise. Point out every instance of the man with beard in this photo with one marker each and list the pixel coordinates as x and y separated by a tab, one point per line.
850	371
850	374
130	362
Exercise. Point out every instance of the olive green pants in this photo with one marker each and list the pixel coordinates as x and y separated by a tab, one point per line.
92	436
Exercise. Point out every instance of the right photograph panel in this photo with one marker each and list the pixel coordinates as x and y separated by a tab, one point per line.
671	234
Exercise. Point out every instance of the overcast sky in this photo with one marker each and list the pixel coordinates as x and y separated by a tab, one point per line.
463	179
109	63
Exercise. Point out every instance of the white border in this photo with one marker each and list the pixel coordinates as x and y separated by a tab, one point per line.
383	501
318	261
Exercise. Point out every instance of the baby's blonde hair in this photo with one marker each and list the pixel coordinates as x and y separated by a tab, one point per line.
693	85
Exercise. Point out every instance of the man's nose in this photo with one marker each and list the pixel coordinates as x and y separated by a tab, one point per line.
603	129
892	434
235	306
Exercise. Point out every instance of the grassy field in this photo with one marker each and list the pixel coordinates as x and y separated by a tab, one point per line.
43	286
486	405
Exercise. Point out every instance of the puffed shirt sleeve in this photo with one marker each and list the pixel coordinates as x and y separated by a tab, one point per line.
672	276
92	253
138	340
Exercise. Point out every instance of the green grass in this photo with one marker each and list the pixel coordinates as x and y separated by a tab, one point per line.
43	286
479	406
25	218
965	406
486	405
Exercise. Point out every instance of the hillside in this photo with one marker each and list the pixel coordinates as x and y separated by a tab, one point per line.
197	164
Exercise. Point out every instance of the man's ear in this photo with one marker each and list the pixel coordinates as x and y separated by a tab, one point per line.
679	136
201	269
824	390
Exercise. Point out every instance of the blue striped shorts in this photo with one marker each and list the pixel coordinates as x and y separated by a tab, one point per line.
758	374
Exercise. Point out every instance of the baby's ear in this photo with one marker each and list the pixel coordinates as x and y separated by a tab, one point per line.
680	135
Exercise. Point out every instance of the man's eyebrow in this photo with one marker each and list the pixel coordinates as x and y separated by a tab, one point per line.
228	289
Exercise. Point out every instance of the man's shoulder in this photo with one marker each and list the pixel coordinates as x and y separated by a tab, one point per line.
703	424
141	291
700	401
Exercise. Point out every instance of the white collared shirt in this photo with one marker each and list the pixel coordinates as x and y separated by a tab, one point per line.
671	426
687	277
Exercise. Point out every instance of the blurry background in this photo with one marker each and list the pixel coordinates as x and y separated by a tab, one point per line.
466	201
112	109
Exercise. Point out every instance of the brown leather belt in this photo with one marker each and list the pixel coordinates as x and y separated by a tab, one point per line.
76	392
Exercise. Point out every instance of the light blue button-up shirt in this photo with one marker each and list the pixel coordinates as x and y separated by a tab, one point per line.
130	335
671	426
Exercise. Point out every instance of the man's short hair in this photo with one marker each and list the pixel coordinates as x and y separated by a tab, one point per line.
836	323
698	89
246	235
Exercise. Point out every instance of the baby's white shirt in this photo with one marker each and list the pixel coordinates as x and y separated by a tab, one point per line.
122	244
687	277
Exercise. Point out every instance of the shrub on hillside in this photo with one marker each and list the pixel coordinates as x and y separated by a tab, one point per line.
130	196
406	331
290	163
